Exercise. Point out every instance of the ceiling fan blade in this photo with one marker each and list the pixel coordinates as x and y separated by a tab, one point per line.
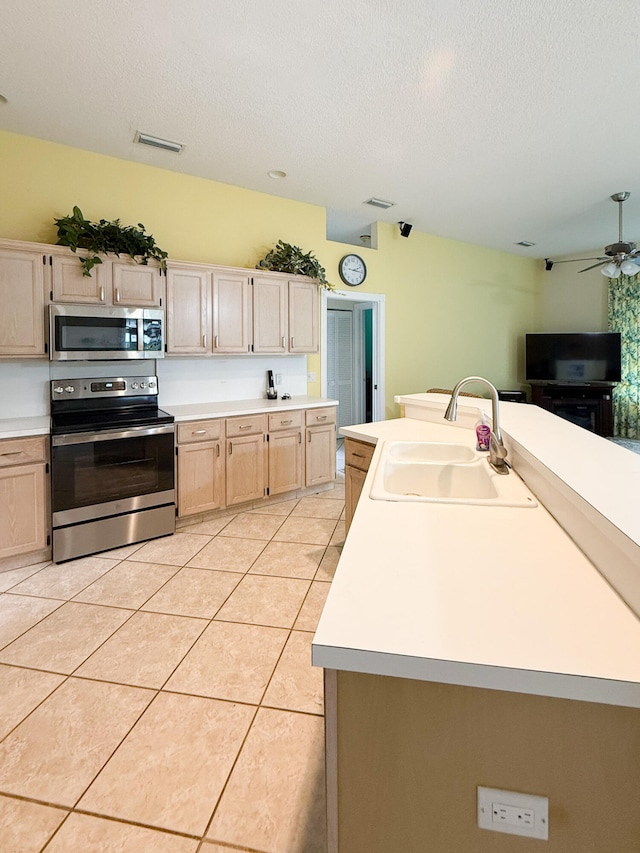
593	266
574	260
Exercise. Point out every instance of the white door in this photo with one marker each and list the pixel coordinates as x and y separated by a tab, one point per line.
340	365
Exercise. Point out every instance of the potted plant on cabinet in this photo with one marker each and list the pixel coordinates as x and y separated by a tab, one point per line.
104	237
291	259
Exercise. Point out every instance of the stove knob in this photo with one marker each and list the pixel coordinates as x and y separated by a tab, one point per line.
58	389
152	383
134	385
143	384
69	389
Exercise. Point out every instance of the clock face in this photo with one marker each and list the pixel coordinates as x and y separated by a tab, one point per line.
352	270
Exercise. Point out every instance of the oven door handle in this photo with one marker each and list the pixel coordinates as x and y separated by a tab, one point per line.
110	435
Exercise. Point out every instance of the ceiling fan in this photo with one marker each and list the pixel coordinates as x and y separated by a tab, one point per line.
620	258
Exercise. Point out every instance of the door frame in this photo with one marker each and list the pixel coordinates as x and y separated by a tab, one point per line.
377	301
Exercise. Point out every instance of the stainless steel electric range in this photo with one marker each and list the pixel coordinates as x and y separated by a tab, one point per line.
112	465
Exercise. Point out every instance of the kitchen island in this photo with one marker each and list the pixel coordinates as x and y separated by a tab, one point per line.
468	645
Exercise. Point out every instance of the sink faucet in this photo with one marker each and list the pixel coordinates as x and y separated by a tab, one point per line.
497	450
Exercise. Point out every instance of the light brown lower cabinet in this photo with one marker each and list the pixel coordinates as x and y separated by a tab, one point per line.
227	462
246	459
201	466
23	491
357	458
320	446
286	461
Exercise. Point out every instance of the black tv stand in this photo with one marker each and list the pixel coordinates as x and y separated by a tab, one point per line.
588	406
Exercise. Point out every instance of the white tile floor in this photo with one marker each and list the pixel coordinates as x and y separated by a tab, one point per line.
160	697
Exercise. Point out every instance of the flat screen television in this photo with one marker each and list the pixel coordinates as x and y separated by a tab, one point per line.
573	358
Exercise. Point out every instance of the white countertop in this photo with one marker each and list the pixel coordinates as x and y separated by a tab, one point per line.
21	427
494	597
198	411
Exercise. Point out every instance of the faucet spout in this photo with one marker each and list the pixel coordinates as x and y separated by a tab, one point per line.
497	450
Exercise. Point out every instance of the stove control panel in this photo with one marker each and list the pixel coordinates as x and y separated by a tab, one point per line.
118	386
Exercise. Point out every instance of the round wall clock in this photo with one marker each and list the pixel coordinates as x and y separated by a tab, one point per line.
352	269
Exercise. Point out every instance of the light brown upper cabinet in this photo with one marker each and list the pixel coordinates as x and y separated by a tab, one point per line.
221	310
24	277
270	314
188	310
303	316
231	312
116	281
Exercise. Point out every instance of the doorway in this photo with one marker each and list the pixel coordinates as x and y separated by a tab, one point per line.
352	360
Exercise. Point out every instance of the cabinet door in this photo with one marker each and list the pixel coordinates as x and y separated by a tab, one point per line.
231	312
246	463
270	322
137	285
285	461
22	510
303	316
22	284
200	477
70	285
188	311
354	481
320	456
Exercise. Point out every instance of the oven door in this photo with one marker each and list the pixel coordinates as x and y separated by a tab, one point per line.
104	473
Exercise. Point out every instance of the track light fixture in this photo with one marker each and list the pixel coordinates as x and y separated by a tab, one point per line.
405	229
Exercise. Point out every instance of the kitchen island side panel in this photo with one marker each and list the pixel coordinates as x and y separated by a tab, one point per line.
410	755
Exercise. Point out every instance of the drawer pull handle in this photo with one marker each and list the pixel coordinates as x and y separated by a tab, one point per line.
246	426
283	342
321	417
117	294
217	450
198	432
216	341
204	341
13	453
292	342
286	422
359	455
102	294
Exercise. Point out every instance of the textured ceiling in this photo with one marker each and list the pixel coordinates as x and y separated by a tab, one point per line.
488	121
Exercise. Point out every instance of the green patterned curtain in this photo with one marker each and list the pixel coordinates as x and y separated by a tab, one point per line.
624	317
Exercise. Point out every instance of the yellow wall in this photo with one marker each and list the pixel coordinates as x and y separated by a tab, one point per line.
452	308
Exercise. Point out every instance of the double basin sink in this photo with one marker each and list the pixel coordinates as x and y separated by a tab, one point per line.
444	473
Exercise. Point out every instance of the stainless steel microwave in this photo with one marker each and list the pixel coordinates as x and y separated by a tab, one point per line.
85	332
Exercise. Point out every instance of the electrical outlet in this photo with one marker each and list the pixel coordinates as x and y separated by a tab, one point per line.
513	813
311	377
278	379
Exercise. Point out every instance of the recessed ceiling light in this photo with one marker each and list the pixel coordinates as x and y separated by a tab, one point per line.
524	243
379	202
277	174
158	142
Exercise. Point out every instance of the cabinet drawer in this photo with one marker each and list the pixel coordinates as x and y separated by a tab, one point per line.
285	420
200	431
315	417
358	454
250	425
20	451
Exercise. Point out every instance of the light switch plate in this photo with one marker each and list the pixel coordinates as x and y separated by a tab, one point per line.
513	813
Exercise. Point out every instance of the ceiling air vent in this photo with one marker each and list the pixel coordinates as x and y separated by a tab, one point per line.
157	142
379	202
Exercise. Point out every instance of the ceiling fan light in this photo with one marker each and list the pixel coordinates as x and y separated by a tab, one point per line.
629	268
611	270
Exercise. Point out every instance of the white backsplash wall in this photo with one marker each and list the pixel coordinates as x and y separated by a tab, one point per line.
215	380
24	385
24	389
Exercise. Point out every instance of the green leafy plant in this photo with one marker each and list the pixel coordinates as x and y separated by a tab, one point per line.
287	258
100	238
